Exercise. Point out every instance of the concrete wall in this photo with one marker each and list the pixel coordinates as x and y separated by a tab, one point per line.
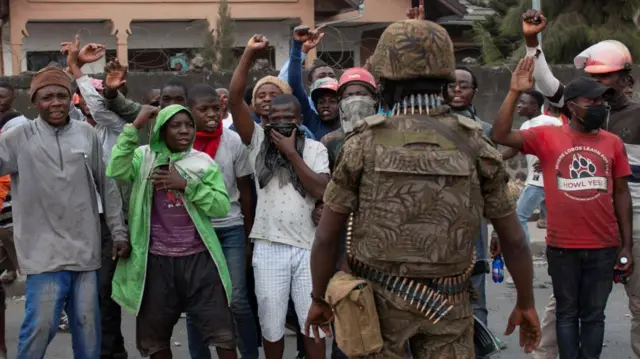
493	86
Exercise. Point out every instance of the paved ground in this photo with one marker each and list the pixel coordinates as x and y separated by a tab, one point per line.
500	302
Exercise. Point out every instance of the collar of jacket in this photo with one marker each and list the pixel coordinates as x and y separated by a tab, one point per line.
54	129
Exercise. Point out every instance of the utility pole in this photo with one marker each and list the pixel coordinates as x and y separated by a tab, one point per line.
537	5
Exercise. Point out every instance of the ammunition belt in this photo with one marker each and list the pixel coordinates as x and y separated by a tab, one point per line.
429	296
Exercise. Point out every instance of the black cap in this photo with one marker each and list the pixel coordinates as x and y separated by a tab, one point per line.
585	87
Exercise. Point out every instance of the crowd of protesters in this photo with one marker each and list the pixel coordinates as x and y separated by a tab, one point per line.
230	205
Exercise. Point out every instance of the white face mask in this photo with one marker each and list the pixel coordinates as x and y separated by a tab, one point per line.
354	110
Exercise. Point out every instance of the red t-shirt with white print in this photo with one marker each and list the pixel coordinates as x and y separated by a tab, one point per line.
578	170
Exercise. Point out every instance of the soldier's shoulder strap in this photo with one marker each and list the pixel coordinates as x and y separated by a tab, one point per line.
368	122
468	123
374	120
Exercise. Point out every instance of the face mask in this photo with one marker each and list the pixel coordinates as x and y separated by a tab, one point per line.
595	116
354	109
285	129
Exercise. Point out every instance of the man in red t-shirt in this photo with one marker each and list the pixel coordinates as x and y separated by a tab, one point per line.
585	172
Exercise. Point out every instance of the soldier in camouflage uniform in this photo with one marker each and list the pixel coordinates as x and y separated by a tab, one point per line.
419	183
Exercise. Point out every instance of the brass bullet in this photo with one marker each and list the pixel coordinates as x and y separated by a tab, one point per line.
426	301
409	287
416	294
413	104
404	282
445	312
395	283
442	304
422	295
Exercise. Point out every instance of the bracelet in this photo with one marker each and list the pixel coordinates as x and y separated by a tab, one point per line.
317	299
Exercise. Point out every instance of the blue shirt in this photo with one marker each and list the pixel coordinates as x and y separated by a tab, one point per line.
284	76
310	117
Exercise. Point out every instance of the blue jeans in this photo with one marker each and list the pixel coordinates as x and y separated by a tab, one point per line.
582	281
233	246
531	198
47	294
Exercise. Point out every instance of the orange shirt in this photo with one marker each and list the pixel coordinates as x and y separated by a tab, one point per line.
5	187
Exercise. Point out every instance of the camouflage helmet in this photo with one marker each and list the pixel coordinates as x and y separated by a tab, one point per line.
411	49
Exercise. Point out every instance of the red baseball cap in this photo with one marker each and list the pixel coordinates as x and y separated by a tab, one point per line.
357	74
326	83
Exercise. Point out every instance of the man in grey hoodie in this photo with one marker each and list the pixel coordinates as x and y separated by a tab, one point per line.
58	183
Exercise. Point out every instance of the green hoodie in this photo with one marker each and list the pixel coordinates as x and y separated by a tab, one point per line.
204	197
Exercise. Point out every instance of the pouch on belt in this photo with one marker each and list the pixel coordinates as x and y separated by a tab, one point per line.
356	319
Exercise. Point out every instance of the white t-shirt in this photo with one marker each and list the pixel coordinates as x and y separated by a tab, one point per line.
535	178
282	214
227	121
233	159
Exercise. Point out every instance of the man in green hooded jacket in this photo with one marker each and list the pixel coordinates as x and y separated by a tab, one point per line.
177	264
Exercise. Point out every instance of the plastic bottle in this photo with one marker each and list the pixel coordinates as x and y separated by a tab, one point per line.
497	269
619	276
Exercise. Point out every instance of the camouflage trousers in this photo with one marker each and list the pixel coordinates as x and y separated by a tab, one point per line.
450	338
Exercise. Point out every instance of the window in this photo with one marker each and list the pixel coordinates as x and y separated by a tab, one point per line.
37	60
337	59
110	55
268	54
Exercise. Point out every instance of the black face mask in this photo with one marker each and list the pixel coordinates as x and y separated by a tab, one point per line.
595	116
271	163
285	129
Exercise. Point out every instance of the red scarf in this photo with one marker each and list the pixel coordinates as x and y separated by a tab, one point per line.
208	142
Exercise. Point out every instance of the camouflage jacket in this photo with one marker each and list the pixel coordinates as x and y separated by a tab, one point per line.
419	187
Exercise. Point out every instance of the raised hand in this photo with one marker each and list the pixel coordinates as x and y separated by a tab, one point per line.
533	22
301	33
116	74
522	77
147	112
91	53
416	13
72	50
312	41
257	43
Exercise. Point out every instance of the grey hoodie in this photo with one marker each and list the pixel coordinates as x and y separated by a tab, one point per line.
55	174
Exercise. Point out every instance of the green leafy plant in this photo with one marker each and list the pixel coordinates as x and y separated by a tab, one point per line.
573	26
218	47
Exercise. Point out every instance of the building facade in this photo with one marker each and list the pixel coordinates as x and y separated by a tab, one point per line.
155	35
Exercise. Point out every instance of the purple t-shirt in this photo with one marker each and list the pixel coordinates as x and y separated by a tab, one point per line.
173	233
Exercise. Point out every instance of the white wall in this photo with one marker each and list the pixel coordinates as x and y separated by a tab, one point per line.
48	36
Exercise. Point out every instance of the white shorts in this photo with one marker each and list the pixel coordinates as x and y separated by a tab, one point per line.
280	271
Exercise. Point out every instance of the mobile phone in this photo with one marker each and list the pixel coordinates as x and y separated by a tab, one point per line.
301	29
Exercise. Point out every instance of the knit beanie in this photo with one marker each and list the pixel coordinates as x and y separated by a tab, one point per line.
49	76
281	84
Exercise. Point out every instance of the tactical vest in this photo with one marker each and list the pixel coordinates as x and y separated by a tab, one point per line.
420	204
